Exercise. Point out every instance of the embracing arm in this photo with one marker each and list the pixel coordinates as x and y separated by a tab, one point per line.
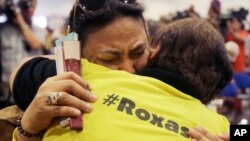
21	63
27	77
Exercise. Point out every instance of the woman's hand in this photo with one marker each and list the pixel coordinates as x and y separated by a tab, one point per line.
200	134
74	92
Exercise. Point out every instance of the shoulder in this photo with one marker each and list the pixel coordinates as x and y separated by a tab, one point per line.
38	66
29	77
39	63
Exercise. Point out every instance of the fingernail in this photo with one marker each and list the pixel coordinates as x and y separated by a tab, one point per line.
198	128
77	112
88	108
93	97
89	87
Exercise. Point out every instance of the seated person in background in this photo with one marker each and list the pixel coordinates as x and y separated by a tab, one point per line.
232	104
236	32
242	79
162	106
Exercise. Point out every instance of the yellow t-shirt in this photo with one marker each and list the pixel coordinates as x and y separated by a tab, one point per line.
137	108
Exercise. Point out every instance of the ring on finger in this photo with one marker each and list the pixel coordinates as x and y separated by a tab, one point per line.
53	97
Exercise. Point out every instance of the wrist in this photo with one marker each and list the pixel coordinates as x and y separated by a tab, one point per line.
27	125
26	135
20	137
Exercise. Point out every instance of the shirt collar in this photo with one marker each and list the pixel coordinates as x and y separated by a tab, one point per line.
172	79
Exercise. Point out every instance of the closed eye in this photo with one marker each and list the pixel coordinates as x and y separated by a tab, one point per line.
138	51
108	57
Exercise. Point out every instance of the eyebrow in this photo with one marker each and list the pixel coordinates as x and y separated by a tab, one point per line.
136	47
110	51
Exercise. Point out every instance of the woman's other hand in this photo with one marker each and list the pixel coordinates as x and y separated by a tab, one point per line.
201	134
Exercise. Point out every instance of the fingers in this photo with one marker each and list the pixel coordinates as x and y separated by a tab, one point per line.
224	137
201	134
64	95
204	132
36	120
63	104
72	101
71	76
69	82
40	113
196	135
64	111
73	88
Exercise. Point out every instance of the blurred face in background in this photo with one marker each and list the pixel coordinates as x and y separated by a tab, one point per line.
28	8
234	25
120	45
212	13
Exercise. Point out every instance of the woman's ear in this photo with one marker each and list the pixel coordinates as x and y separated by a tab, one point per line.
154	51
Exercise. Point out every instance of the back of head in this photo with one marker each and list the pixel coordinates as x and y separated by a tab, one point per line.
195	50
90	15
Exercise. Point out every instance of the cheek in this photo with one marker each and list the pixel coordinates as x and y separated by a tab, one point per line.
141	65
89	54
141	62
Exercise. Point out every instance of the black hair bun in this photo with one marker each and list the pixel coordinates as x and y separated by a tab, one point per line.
93	5
94	13
128	1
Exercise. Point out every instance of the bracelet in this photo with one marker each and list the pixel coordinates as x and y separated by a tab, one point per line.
21	137
26	136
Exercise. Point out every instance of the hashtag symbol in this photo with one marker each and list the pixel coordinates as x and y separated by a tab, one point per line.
110	99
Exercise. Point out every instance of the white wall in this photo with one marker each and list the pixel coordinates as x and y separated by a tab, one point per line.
53	7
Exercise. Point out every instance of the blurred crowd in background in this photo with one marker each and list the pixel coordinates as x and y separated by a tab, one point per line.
17	26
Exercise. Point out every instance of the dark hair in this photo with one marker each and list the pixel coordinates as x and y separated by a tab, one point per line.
90	15
7	5
153	27
195	50
215	6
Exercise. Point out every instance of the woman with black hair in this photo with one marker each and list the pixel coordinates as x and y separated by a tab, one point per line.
162	106
112	34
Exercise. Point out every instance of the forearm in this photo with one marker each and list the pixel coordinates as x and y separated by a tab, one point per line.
20	64
239	37
29	36
27	78
15	70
